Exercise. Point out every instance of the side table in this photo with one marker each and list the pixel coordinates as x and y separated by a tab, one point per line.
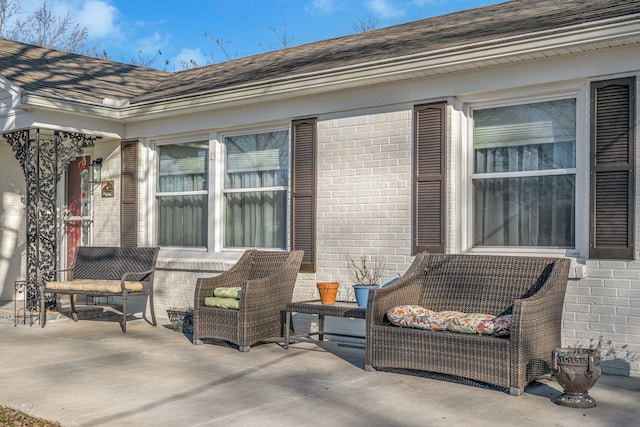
339	309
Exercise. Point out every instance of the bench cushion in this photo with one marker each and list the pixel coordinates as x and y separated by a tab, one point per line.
89	285
413	316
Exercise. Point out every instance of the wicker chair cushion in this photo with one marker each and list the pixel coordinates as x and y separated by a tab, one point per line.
502	325
413	316
222	302
227	292
472	323
89	285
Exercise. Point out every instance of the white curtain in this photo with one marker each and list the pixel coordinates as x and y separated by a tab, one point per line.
535	209
182	218
256	184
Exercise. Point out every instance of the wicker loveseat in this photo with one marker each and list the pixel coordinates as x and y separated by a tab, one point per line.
532	289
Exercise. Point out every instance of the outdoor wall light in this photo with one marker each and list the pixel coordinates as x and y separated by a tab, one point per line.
96	170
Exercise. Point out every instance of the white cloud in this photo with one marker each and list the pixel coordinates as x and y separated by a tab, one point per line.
384	9
186	56
152	44
421	3
99	17
321	7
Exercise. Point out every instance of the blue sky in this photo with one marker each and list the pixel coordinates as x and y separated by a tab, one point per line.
177	28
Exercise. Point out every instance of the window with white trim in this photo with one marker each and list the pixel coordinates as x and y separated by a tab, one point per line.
182	194
256	190
524	175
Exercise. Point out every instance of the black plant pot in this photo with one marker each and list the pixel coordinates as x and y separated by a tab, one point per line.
181	319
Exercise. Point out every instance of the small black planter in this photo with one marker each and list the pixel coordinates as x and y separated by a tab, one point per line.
181	319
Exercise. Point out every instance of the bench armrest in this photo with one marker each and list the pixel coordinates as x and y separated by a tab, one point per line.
537	322
128	274
406	290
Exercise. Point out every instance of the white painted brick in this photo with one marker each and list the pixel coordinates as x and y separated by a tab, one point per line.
617	284
574	325
633	321
604	292
570	299
628	311
613	319
361	165
626	329
612	265
590	300
586	317
584	288
601	273
630	293
599	327
626	274
602	309
616	302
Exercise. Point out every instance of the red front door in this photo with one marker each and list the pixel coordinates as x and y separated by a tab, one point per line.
77	201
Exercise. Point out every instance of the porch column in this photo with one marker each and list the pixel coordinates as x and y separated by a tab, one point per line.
43	156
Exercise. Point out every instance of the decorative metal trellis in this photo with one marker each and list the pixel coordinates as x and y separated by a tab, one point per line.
43	158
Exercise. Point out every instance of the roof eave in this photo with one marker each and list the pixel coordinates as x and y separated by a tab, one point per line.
31	100
502	51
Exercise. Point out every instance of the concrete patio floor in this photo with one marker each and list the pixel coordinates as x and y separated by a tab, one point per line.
90	374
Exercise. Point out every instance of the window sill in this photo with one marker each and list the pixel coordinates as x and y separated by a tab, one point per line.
171	259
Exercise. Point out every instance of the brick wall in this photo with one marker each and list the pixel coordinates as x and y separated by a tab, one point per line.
106	210
364	195
603	310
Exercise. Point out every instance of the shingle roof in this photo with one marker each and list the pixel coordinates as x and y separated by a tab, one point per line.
92	79
72	76
485	24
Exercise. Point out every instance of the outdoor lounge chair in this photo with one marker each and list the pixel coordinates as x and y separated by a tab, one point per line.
266	279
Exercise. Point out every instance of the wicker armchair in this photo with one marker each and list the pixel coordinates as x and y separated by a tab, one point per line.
532	289
267	279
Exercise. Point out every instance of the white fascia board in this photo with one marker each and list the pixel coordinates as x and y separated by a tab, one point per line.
69	122
35	100
582	38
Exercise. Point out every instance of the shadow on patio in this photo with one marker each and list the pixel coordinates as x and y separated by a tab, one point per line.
90	374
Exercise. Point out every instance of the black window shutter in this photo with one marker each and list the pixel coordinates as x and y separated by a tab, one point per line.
612	183
303	191
129	194
429	178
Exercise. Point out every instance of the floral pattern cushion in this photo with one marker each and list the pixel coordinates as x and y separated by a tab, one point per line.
502	325
413	316
447	316
471	323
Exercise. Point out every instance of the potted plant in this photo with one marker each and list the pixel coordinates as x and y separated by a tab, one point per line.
365	276
328	292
